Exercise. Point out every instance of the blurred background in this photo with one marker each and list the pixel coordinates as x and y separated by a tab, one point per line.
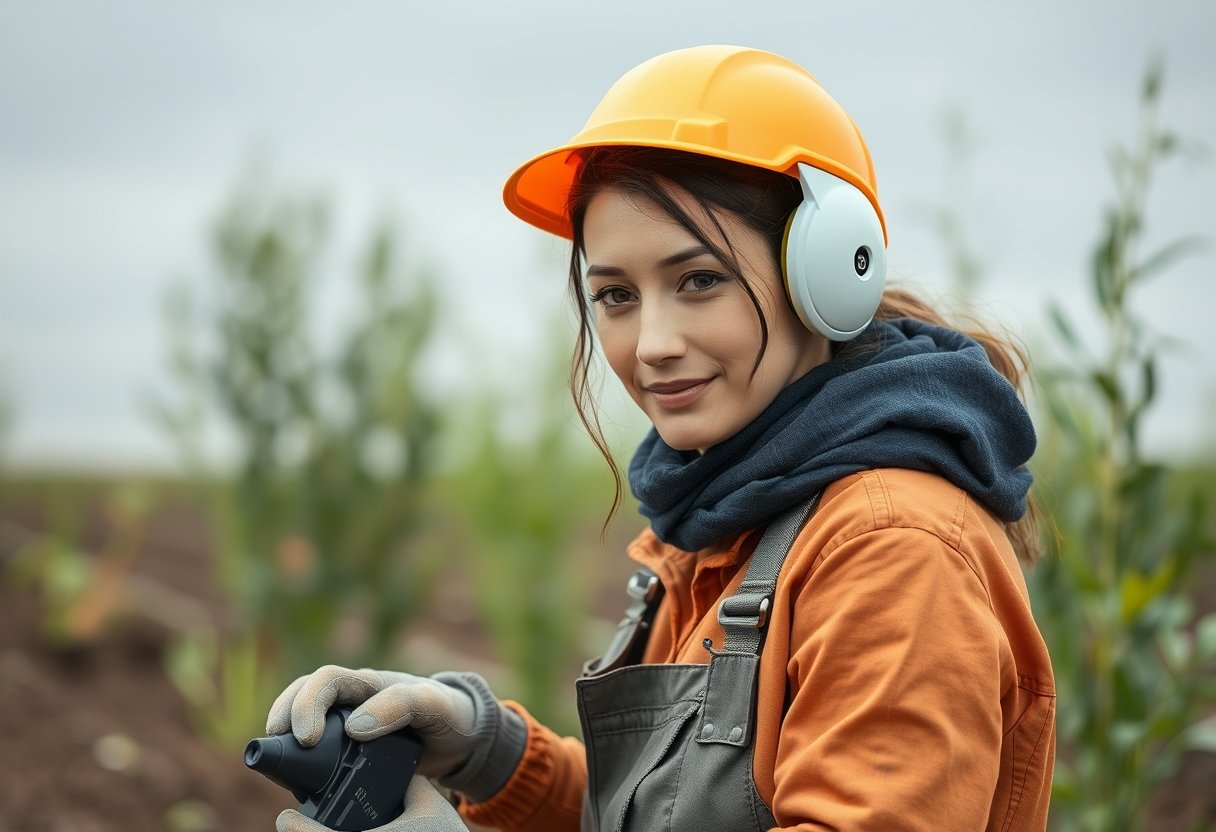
282	382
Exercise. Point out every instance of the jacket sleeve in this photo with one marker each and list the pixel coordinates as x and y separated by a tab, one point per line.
545	794
896	675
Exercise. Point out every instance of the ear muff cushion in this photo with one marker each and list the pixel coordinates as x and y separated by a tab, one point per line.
834	257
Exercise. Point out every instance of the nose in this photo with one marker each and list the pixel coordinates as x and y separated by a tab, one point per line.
660	335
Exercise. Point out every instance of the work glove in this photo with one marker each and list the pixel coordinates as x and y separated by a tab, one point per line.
471	743
425	811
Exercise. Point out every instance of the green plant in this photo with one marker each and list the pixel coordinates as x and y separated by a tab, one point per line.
84	594
530	503
1133	668
317	526
225	681
53	565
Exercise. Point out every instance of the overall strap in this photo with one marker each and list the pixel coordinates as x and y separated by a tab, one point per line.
728	715
744	615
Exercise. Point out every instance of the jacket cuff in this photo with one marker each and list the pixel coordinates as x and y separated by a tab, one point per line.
526	789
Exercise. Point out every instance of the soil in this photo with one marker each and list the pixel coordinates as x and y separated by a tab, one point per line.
95	737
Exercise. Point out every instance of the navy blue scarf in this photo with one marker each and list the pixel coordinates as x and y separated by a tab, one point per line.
920	397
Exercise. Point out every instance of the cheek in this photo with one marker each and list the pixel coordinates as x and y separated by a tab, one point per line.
736	332
619	347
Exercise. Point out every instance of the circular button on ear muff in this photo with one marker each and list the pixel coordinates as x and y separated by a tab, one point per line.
861	261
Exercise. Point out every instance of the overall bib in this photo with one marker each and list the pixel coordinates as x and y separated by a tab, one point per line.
669	746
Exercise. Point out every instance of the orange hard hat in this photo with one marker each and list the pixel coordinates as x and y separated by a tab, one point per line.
745	105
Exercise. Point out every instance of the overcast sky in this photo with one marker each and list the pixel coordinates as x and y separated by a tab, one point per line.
125	125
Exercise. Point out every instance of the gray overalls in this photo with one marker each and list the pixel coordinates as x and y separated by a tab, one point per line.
669	746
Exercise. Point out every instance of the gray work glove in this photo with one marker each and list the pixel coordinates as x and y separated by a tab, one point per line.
425	811
471	743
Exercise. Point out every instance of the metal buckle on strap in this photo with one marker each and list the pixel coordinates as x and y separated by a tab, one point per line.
643	587
745	609
633	630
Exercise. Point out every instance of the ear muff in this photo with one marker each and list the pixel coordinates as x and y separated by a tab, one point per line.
834	257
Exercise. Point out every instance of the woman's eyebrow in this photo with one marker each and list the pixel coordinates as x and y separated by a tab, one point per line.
666	262
681	256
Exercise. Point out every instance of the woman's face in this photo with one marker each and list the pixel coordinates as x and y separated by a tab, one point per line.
680	333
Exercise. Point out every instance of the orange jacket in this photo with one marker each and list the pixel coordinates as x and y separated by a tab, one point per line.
920	693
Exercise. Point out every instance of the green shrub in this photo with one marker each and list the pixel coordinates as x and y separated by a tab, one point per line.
317	527
1133	668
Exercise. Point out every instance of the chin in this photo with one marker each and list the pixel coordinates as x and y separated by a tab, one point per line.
686	440
678	441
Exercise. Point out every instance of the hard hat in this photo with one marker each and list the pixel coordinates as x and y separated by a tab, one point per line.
731	102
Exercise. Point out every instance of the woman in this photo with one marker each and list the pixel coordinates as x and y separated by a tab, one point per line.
830	629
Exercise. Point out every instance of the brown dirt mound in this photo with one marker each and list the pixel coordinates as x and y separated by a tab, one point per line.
98	739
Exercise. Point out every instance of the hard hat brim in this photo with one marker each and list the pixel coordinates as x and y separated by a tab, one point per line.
538	190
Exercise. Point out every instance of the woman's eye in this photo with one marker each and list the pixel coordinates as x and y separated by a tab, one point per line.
610	296
702	281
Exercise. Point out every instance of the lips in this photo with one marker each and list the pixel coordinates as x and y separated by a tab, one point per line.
672	395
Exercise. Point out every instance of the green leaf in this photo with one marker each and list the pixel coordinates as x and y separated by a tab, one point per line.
1137	591
1152	80
1148	371
1108	384
1062	325
1103	263
191	664
1167	255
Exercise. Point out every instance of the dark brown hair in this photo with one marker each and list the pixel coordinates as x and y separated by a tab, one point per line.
762	200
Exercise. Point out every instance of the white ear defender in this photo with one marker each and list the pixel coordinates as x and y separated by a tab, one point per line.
834	257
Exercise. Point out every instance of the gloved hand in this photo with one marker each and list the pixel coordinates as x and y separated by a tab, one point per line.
471	743
425	811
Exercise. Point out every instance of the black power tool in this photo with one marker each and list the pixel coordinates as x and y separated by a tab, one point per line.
341	783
